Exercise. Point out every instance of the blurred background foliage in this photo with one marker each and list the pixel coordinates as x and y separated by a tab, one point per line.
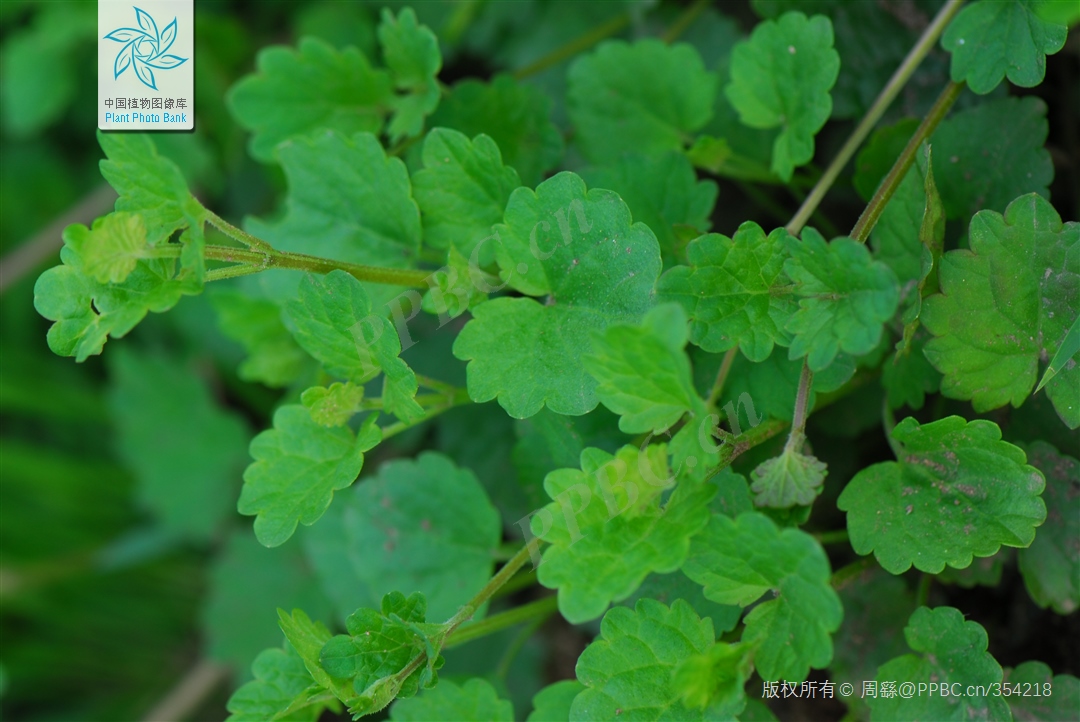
129	586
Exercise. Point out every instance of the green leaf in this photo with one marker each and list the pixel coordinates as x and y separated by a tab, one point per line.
335	324
298	466
608	529
596	269
149	184
666	588
952	651
734	290
411	52
1051	565
992	40
791	479
986	156
307	638
1064	356
236	630
462	192
781	77
474	701
456	289
845	297
552	703
515	116
663	192
1004	305
908	376
958	492
187	479
1038	695
739	560
644	97
425	525
280	677
113	246
273	356
714	680
627	670
297	92
333	405
347	201
642	372
378	648
876	606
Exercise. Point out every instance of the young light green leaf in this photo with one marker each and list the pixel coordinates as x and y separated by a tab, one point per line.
307	638
186	480
663	192
960	491
113	246
949	650
552	703
424	525
297	92
734	290
456	288
347	201
791	479
280	678
845	298
644	97
608	530
781	77
627	670
1038	695
714	680
462	191
739	560
992	39
149	184
580	249
273	356
335	324
516	116
1004	305
1051	565
643	373
986	156
378	648
474	701
333	405
411	52
298	466
236	631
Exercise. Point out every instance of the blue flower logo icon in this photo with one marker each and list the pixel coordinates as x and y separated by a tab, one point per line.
145	49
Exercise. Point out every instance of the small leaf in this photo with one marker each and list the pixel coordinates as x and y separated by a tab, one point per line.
952	651
643	97
296	92
1040	695
333	405
791	479
457	287
735	291
1005	305
411	52
273	356
740	560
627	670
781	77
474	701
113	246
298	466
958	492
992	40
714	680
280	677
1051	565
552	703
643	373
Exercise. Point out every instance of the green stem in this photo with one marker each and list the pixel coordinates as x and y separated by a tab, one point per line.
802	401
270	258
873	115
840	536
502	671
845	574
685	20
429	413
501	577
539	610
891	182
575	46
721	377
235	233
922	594
521	581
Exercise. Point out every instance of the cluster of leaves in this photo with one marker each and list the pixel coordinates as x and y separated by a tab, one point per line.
592	281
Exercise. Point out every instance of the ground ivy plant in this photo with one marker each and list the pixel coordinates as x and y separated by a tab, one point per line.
576	268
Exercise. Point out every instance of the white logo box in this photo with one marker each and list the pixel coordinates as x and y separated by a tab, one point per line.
146	59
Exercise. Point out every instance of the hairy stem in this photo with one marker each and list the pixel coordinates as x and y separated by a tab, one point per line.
539	610
802	401
891	182
235	233
721	377
501	577
575	46
873	115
